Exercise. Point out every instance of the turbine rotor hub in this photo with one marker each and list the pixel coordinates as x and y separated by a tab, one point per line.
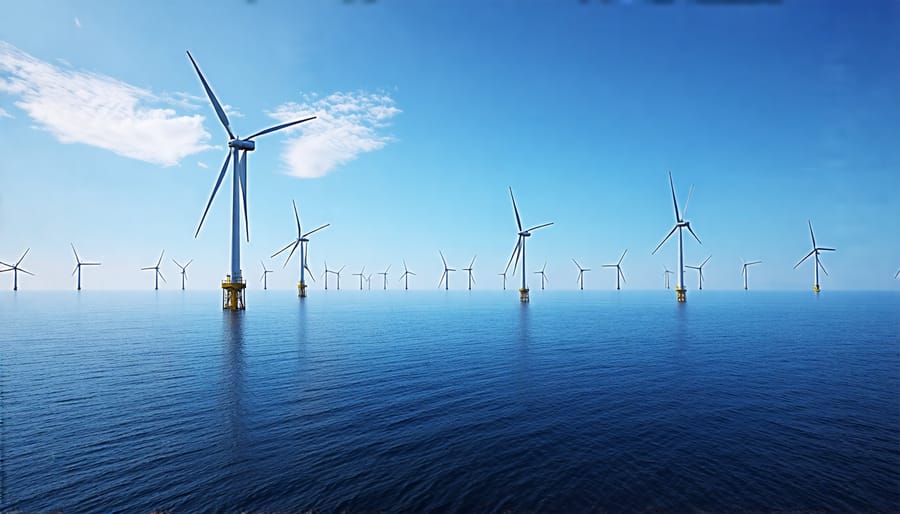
525	234
242	144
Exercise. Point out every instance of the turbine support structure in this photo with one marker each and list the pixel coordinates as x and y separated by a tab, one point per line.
523	295
233	294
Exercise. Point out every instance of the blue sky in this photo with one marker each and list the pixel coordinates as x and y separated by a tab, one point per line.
428	112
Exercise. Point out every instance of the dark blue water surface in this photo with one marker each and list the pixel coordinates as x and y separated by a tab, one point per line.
450	402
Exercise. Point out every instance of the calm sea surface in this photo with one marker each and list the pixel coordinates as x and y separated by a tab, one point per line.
450	402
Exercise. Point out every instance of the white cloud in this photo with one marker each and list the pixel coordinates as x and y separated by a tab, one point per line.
347	126
4	114
77	22
202	164
98	110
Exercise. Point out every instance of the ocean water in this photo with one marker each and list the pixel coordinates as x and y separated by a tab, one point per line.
450	402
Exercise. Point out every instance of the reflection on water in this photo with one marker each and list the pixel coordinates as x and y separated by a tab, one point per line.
233	387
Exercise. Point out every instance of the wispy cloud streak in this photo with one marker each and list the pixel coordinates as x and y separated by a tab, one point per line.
347	126
98	110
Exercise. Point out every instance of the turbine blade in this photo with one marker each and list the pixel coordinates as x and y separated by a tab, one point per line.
803	259
754	262
674	200
473	261
388	269
813	236
176	263
23	257
821	266
313	277
442	259
707	260
690	194
189	263
693	234
149	267
294	242
316	230
516	209
160	258
297	218
519	250
76	253
213	195
286	261
342	269
278	127
25	271
73	271
212	98
576	264
513	254
441	281
623	256
161	276
826	249
665	239
243	170
410	272
539	226
622	274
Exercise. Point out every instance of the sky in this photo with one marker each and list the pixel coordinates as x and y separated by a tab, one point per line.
776	113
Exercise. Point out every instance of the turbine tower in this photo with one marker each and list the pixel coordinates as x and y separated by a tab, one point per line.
744	270
445	277
325	275
469	270
519	249
16	269
361	276
303	242
405	276
543	275
815	251
158	273
233	286
79	264
264	277
580	274
680	225
385	274
618	267
700	269
184	271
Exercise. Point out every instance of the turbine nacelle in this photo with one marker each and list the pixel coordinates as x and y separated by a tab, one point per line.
525	233
242	144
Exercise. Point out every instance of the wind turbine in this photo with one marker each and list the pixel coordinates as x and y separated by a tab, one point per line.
385	273
445	277
815	251
504	279
405	276
580	274
158	273
338	273
469	269
897	275
618	267
543	275
80	264
519	249
700	269
680	224
16	269
184	271
744	270
264	277
325	275
369	282
667	276
238	147
361	277
303	243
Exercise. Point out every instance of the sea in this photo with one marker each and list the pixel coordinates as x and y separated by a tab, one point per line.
434	401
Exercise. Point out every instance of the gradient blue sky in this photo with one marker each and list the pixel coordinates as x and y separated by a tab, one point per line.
430	110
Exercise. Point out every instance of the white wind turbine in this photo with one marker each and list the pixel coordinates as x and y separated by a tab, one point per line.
16	269
385	274
158	273
445	277
264	277
744	271
183	271
504	279
303	242
79	264
815	251
469	270
618	267
700	270
680	224
405	276
238	147
519	249
361	276
580	274
542	272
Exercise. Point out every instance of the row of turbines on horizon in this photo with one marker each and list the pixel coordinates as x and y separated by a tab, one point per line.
234	285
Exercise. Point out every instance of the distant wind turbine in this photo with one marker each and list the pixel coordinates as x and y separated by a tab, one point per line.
469	270
680	224
580	274
361	276
504	279
897	275
264	277
667	276
303	242
385	274
700	270
238	148
16	269
815	251
369	281
519	249
744	270
405	276
618	267
184	271
445	277
158	273
338	273
543	274
79	264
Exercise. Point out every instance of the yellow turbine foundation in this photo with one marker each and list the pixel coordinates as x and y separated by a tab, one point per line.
816	288
233	294
681	294
523	295
301	289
